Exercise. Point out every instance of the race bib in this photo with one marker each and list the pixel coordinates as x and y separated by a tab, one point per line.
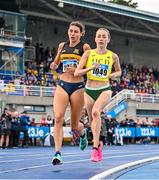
69	63
101	71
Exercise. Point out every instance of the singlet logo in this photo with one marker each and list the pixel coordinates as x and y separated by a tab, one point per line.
76	51
63	51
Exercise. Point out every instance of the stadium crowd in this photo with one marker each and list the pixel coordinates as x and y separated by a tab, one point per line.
143	79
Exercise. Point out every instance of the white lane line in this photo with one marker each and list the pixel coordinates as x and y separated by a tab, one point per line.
81	155
74	154
19	155
46	155
109	172
69	162
39	154
18	160
105	148
26	168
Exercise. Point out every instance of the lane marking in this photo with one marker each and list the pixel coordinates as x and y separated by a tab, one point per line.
73	154
109	172
74	161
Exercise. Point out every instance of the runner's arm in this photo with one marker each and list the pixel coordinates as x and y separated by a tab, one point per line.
80	71
54	65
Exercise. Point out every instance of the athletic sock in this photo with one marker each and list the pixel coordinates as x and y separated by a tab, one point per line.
95	148
58	152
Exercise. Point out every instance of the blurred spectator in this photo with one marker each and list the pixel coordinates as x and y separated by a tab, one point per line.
24	123
15	130
5	121
43	121
110	130
50	121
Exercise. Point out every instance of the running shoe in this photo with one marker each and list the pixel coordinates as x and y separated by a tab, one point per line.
100	153
83	141
57	159
94	155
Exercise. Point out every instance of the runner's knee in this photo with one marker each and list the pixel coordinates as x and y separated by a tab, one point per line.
95	113
59	118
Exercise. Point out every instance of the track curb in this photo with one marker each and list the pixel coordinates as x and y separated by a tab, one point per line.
112	171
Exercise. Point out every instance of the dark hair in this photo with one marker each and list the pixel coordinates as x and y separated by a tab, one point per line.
78	24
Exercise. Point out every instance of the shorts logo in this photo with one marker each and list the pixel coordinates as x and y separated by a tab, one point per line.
80	86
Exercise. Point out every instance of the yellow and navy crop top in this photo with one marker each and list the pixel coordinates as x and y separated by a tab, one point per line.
102	73
71	55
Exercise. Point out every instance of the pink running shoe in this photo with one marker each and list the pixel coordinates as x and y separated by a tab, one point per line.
94	155
100	153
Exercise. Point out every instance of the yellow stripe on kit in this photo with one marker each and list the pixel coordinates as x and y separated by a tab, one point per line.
70	56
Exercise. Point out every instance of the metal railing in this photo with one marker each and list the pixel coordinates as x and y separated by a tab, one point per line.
42	91
129	94
24	90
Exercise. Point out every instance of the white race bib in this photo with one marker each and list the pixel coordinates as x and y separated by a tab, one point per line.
69	63
101	71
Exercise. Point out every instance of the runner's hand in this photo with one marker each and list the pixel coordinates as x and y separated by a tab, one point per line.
53	66
95	65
